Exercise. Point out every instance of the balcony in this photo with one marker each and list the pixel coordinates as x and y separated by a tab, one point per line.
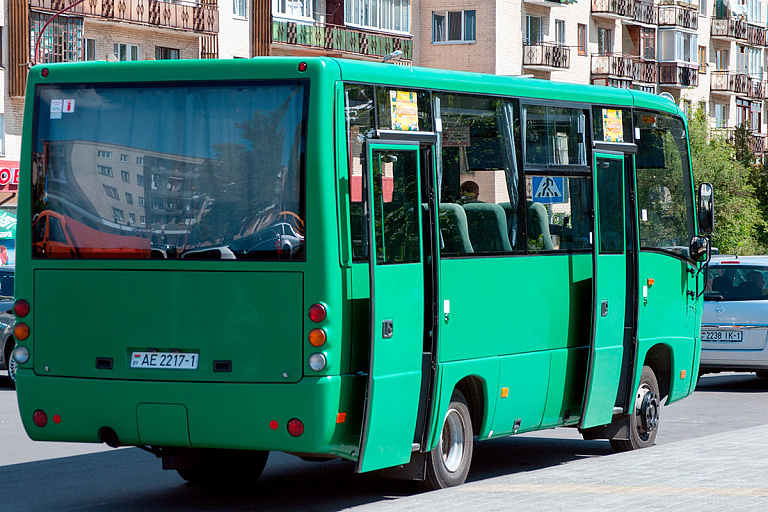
546	56
321	36
730	83
614	9
678	17
757	89
674	74
756	142
616	65
201	17
646	13
730	29
648	72
756	36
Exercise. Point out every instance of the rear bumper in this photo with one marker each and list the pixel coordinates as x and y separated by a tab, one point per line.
199	415
724	359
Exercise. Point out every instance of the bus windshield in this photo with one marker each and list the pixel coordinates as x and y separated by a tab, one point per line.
170	171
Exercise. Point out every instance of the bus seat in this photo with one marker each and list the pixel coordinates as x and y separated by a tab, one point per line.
487	227
453	227
538	224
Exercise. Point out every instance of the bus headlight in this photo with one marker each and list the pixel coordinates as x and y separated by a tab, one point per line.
317	361
21	354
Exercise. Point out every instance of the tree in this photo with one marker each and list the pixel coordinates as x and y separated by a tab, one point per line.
738	217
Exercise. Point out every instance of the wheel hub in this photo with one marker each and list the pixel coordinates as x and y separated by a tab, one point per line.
649	411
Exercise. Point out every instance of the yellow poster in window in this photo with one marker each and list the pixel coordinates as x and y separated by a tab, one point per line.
613	128
405	111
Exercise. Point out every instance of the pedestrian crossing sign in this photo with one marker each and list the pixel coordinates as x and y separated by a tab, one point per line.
547	189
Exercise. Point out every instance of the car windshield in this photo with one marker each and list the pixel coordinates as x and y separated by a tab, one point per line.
737	282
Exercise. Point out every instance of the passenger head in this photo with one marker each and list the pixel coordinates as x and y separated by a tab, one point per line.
469	191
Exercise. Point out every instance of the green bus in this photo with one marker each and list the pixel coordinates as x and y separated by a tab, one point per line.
345	259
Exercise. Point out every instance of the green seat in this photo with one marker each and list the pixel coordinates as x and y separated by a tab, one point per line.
453	229
487	224
538	224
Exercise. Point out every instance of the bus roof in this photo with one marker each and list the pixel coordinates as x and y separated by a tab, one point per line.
355	71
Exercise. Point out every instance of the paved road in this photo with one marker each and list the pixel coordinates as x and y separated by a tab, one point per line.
711	455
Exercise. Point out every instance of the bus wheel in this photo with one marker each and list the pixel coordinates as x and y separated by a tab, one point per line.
448	464
236	471
644	421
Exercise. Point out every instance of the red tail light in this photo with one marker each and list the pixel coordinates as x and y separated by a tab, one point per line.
40	418
21	308
295	427
317	312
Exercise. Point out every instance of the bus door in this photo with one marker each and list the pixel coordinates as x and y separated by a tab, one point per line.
610	287
394	220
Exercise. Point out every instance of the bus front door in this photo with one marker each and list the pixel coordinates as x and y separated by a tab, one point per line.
609	291
394	211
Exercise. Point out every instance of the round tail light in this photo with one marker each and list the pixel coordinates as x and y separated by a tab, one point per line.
40	418
21	331
295	427
21	308
317	312
317	337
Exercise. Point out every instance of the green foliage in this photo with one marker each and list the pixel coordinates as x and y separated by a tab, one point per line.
739	215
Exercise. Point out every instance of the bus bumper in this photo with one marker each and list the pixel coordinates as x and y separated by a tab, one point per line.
198	415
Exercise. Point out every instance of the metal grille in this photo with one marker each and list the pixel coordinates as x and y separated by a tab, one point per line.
62	40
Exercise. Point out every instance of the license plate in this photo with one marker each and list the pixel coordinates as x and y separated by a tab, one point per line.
164	360
721	336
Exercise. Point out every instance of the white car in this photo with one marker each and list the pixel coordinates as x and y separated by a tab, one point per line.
734	327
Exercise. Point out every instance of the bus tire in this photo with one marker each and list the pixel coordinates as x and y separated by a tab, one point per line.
238	471
644	420
448	463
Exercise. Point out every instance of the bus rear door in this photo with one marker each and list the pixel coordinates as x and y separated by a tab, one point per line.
609	291
393	207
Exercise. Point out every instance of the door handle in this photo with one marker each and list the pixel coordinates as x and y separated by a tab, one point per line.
604	308
387	328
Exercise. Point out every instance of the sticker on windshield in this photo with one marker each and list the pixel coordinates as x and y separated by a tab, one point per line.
56	106
68	107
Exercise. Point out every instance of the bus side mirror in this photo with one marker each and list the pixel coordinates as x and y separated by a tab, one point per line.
706	208
699	249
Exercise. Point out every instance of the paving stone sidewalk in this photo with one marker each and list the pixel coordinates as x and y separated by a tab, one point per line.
723	472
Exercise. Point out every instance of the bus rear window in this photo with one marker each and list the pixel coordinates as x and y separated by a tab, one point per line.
178	171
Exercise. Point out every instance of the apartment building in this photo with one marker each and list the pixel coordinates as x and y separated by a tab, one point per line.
704	53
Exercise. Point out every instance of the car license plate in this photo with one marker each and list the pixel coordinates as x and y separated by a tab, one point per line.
721	335
165	360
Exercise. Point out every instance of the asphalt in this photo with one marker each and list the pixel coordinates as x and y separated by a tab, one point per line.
722	472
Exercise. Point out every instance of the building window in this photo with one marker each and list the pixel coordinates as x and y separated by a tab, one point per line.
582	39
111	192
126	176
2	134
140	180
104	154
132	218
126	51
123	157
104	170
141	203
721	115
703	7
453	26
379	14
142	219
721	60
166	53
298	8
702	59
140	161
118	213
62	41
648	43
90	49
678	46
532	29
129	198
240	8
604	41
560	32
755	65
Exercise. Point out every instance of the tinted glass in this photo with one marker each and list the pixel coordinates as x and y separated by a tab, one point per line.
214	169
737	282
